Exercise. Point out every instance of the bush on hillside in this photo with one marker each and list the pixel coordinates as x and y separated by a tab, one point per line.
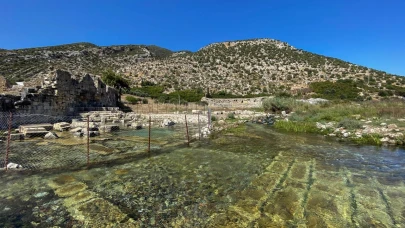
342	89
113	79
278	104
132	99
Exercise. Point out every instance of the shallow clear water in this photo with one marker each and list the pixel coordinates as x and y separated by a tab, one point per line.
256	178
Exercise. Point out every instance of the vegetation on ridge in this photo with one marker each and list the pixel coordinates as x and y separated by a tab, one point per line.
244	68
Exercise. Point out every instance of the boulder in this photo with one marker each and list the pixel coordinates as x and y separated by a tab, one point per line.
385	139
94	133
78	134
168	122
392	126
61	126
110	128
76	129
51	135
137	125
12	165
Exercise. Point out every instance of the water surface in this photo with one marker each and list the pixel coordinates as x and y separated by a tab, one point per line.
252	178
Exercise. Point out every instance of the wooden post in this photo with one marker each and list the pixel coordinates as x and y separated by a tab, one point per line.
188	137
88	141
149	135
199	128
8	140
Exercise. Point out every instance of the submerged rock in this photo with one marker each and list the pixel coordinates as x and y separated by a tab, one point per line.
41	194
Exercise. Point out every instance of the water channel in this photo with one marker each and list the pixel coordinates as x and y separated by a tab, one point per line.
253	177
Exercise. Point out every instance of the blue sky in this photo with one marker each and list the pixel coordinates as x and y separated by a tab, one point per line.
369	33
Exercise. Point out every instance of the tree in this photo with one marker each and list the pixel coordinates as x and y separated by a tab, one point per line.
115	80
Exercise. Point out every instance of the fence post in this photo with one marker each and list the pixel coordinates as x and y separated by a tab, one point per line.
188	137
199	128
88	141
209	118
8	140
149	135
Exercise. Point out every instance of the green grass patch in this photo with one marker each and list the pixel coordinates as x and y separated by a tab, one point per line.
372	139
239	129
292	126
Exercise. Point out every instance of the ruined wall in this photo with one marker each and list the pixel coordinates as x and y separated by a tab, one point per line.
4	84
64	94
234	102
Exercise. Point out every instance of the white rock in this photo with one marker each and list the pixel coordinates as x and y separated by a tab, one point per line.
392	141
12	165
385	139
284	113
392	126
77	129
51	135
221	122
167	122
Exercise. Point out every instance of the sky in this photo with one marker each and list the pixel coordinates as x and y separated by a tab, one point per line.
365	32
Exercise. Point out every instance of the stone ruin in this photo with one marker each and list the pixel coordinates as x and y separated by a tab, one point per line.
64	94
241	103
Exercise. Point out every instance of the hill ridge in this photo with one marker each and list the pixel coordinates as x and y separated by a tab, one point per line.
240	67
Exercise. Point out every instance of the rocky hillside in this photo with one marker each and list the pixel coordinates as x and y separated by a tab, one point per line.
34	63
237	67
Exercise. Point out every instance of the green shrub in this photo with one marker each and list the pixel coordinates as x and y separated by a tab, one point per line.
372	139
231	115
278	104
132	99
113	79
213	118
292	126
349	124
342	89
144	101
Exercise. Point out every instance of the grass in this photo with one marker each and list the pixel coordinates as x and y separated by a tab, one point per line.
346	114
346	111
293	126
350	124
371	139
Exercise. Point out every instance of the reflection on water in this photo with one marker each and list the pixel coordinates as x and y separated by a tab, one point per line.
260	178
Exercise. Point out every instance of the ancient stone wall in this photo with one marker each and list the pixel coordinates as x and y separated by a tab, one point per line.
4	84
64	94
234	102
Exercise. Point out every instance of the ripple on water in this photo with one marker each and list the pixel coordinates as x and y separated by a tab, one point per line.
268	179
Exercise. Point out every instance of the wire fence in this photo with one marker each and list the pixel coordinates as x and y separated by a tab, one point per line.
37	142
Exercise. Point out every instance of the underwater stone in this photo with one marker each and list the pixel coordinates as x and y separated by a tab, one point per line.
71	189
61	180
41	194
78	198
